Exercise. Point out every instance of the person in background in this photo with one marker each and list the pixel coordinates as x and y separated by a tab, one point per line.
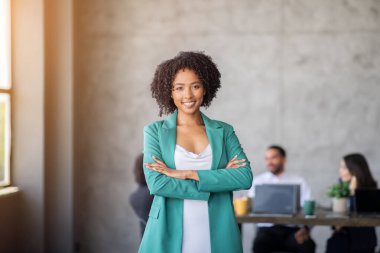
355	170
141	200
269	237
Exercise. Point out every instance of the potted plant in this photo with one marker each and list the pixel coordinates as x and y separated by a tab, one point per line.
339	193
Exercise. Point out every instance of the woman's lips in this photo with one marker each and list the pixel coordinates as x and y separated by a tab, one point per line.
189	104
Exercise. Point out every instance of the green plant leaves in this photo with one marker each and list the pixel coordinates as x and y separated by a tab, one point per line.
339	190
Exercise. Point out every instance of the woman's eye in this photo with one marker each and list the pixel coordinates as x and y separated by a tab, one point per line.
197	86
178	88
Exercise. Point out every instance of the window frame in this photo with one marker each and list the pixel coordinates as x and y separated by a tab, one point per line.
6	87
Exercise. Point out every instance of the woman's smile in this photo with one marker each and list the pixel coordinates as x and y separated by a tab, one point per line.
189	104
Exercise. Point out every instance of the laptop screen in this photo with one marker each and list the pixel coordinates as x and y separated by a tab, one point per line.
276	198
367	201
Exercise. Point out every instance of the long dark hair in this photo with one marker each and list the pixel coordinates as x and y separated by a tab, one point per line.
358	167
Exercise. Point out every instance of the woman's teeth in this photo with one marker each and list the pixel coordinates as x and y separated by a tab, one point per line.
189	104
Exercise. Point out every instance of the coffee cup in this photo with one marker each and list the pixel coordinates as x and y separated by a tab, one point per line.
241	206
308	207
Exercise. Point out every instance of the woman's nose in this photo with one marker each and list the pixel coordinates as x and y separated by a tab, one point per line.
188	92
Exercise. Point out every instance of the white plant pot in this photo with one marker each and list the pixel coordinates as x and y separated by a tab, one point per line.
340	205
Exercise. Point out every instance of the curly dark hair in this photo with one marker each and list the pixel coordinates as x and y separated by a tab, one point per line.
201	64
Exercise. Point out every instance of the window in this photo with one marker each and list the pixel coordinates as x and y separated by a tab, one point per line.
5	91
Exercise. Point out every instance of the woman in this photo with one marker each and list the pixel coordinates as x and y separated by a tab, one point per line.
191	163
355	170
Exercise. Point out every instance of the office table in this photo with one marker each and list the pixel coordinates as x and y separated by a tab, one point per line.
321	218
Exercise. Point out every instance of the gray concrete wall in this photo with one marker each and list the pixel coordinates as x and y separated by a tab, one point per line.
303	74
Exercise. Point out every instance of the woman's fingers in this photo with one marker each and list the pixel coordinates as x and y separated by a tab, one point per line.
235	166
231	162
233	158
149	165
158	161
240	165
155	166
159	167
236	163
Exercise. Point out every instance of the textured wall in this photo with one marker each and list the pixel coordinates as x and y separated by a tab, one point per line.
27	161
58	134
304	74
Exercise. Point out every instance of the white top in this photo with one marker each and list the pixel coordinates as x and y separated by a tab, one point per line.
284	178
196	228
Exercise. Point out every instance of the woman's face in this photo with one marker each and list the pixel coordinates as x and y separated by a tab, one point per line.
344	173
188	91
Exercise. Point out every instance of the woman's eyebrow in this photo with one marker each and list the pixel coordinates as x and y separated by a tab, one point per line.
196	82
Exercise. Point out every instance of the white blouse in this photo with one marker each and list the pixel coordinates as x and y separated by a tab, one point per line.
196	228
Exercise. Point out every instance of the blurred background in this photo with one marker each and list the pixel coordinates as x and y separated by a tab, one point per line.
300	73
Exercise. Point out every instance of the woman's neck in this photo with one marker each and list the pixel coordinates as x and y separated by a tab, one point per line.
184	119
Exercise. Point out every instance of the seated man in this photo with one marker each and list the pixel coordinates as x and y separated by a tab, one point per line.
272	238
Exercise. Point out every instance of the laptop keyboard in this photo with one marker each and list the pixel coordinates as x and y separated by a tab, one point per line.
273	215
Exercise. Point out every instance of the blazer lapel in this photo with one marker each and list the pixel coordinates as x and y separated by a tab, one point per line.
168	138
215	136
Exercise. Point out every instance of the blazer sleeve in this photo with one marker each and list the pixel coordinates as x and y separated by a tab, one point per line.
221	180
160	184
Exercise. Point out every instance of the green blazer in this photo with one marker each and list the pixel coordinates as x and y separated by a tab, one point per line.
163	232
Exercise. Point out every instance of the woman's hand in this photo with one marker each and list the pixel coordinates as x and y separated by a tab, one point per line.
233	164
302	235
353	185
161	167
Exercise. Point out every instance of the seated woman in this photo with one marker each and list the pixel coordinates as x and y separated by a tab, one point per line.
140	199
355	170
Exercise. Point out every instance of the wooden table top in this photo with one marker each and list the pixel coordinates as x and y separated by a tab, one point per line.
321	217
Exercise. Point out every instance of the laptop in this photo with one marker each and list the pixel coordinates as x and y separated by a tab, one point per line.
367	202
277	199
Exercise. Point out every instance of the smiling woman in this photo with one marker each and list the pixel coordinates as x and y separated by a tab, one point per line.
192	164
5	91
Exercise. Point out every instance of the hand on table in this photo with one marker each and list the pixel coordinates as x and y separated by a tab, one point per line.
302	235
